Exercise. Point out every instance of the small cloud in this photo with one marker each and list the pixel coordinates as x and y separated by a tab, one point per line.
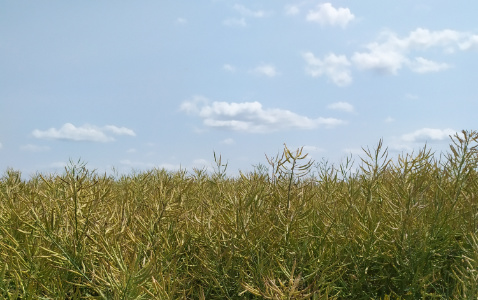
235	22
34	148
335	67
244	12
181	21
342	106
193	106
119	130
228	141
248	12
428	134
252	117
1	146
326	14
266	69
86	132
229	68
291	10
422	65
389	120
131	150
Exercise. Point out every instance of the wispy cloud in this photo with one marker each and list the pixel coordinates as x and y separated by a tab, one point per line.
86	132
244	11
266	69
342	106
391	53
229	68
470	43
326	14
422	65
1	146
291	10
428	134
251	116
335	67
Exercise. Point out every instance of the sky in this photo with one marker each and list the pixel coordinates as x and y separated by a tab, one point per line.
134	85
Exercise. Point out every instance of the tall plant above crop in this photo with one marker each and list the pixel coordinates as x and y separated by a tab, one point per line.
289	168
463	159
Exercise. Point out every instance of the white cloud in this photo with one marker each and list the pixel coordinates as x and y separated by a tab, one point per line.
422	65
326	14
291	10
391	52
235	22
248	12
381	58
335	67
83	133
193	106
252	117
428	134
342	106
34	148
229	68
421	39
244	13
470	43
119	130
1	146
267	70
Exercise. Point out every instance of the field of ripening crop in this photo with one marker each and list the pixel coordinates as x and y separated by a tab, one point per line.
379	228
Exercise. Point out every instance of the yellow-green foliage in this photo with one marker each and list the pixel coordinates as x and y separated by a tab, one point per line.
403	228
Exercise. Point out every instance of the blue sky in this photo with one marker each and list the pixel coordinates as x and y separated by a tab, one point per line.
144	84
